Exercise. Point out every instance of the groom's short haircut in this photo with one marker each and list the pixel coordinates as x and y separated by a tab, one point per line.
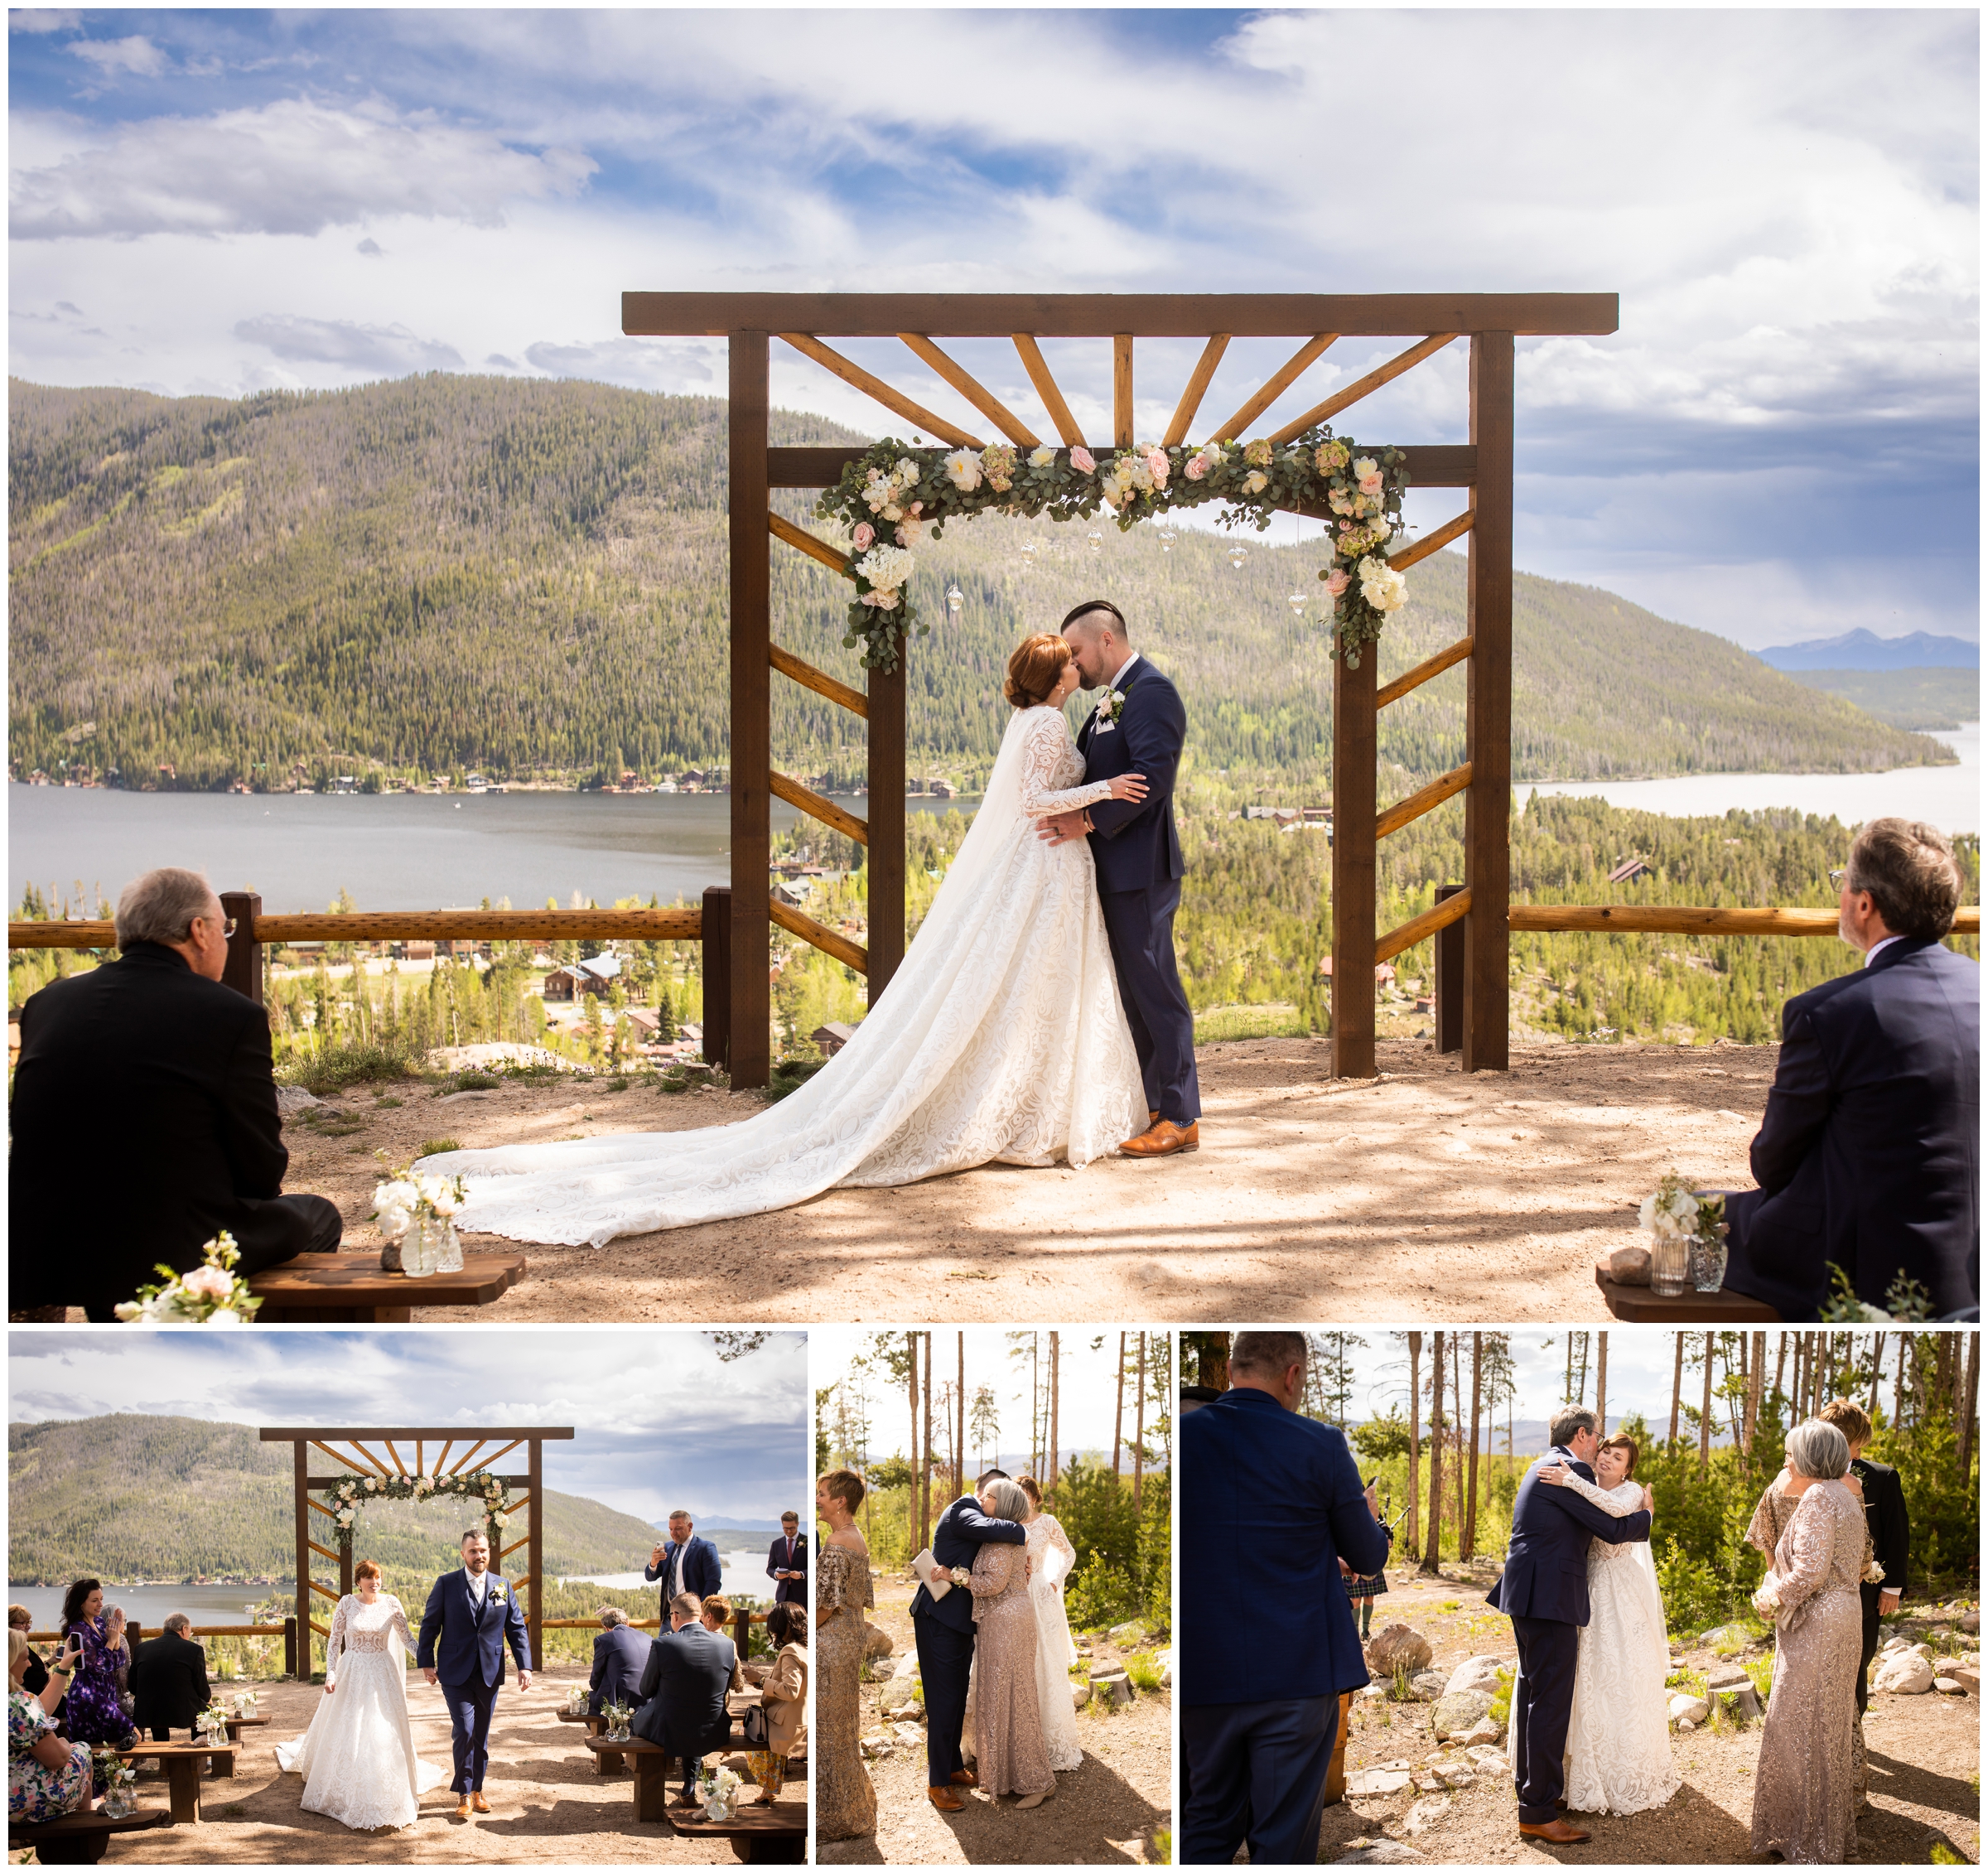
789	1515
473	1535
987	1476
1566	1422
1083	611
687	1606
1848	1417
1270	1355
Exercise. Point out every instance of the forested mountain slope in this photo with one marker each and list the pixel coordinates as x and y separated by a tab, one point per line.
527	577
130	1497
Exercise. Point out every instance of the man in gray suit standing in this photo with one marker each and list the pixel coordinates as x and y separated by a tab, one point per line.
682	1688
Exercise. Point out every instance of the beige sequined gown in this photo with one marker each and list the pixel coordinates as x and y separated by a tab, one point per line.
1007	1720
1805	1792
844	1802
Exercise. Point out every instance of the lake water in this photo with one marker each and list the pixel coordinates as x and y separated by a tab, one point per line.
1950	798
149	1605
740	1570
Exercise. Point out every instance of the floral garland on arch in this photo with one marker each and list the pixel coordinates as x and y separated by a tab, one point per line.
479	1486
895	495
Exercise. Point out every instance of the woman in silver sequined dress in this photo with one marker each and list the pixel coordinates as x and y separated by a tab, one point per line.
1007	1715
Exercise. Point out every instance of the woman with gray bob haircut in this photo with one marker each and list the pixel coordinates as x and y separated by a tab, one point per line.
1806	1781
1011	1755
1007	1500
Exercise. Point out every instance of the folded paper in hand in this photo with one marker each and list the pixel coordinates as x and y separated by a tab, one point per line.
937	1580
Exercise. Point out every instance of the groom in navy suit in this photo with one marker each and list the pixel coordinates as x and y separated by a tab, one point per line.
474	1614
1138	728
942	1625
1544	1591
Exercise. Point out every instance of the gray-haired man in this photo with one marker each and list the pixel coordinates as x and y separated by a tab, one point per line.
144	1115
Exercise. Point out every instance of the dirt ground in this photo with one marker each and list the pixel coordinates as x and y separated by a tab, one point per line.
1104	1814
1925	1762
1310	1198
549	1805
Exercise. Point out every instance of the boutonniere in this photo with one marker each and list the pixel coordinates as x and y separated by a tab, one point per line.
1110	709
497	1590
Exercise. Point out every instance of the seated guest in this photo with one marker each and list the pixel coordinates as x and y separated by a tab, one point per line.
784	1700
620	1653
36	1676
148	1065
169	1679
787	1563
47	1777
1868	1156
716	1616
684	1681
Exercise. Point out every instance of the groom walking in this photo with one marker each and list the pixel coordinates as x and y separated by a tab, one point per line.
1138	728
1544	1590
474	1614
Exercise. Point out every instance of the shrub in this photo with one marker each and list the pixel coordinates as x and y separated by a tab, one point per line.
790	1075
333	1068
1696	1595
1099	1595
433	1148
1501	1698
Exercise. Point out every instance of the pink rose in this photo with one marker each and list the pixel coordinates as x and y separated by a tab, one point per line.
1083	461
1371	484
213	1282
1336	581
864	535
1157	465
870	598
1197	467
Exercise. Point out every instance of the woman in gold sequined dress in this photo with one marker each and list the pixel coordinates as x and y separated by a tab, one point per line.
845	1799
1007	1718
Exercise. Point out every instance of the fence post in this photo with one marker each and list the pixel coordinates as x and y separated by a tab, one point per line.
290	1647
245	969
741	1632
717	975
1448	980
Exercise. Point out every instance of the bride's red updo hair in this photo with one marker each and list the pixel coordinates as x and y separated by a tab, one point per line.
365	1571
1034	669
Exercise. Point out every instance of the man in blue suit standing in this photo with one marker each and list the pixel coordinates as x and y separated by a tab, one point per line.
685	1563
787	1562
943	1624
1868	1154
1139	727
474	1614
1544	1591
1270	1502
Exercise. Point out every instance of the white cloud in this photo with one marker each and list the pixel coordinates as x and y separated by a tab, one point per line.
639	363
43	19
136	55
382	351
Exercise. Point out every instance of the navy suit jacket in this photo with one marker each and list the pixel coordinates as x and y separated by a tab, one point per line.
1869	1155
1270	1501
701	1573
777	1558
1136	845
955	1541
1546	1575
683	1690
471	1645
620	1653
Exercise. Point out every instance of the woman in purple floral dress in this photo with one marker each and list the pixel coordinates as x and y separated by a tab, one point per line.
93	1712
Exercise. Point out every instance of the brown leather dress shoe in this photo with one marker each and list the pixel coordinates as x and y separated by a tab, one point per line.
479	1803
1561	1833
946	1801
1163	1138
462	1809
965	1778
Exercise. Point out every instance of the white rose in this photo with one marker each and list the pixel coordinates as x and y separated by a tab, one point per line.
128	1310
964	469
224	1317
1382	587
394	1222
1365	467
906	470
1042	456
1255	482
1684	1206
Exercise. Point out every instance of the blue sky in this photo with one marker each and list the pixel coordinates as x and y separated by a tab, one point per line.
1781	441
661	1422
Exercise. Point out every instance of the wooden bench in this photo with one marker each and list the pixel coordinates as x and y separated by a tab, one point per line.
78	1840
342	1288
236	1725
773	1835
1645	1306
607	1761
181	1762
651	1763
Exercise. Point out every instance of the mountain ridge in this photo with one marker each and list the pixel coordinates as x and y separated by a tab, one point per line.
1863	650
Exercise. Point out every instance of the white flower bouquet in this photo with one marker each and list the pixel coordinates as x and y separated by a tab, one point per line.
1874	1572
718	1790
1686	1230
211	1294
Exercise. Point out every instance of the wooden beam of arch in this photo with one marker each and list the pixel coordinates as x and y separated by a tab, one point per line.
818	806
798	538
1275	385
1038	369
1365	387
395	1455
322	1631
1121	390
819	681
468	1453
443	1458
832	943
329	1554
484	1462
1419	929
1428	667
972	389
849	372
1196	388
1433	543
339	1456
317	1586
504	1554
1422	800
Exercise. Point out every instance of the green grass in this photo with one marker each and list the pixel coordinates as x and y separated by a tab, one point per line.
1501	1699
1141	1668
433	1148
1268	1020
329	1069
790	1075
1761	1671
1163	1846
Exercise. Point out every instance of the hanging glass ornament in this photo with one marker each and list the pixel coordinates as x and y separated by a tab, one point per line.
1237	554
1297	603
955	598
1028	552
1167	537
1096	539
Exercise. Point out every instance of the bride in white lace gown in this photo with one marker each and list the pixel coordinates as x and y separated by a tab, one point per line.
1001	1038
1055	1651
357	1759
1618	1733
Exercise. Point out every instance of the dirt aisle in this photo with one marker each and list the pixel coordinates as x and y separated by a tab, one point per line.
1104	1814
1310	1198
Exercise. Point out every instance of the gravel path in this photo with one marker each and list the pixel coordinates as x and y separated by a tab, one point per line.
1104	1814
549	1805
1925	1757
1310	1198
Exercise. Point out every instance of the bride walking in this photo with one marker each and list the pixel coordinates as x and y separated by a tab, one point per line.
357	1759
1051	1558
1619	1734
1001	1038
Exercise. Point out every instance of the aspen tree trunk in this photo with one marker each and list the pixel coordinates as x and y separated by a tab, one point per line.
1477	1389
1970	1401
1414	1439
1705	1418
1118	1421
1139	1433
1432	1548
1677	1386
1456	1431
924	1461
1780	1360
914	1519
1877	1372
1049	1483
1601	1384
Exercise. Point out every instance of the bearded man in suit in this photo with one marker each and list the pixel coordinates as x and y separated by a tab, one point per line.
471	1615
685	1563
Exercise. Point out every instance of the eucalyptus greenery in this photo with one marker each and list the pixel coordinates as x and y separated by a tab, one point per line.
479	1486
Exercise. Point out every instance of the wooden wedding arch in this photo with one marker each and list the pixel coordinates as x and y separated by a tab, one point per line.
359	1459
1489	323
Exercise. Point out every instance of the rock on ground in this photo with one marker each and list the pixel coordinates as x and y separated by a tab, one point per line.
1459	1712
1478	1674
1903	1674
1685	1708
1396	1647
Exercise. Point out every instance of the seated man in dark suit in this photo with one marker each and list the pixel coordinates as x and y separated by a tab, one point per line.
1868	1156
787	1562
1270	1501
148	1085
620	1653
169	1679
683	1690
